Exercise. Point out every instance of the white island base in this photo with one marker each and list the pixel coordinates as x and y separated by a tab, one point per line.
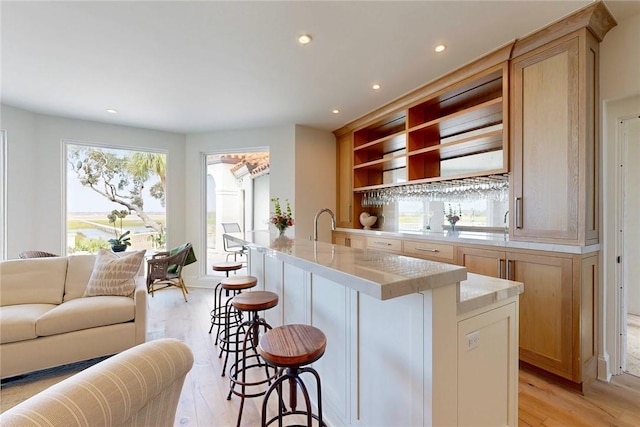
410	360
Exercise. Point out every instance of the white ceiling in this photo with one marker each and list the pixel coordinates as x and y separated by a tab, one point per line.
195	66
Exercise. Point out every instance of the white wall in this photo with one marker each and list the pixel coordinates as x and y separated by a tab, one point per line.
620	60
261	198
315	181
35	182
620	95
21	179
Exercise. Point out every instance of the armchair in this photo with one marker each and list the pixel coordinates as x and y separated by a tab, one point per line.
140	386
165	270
36	254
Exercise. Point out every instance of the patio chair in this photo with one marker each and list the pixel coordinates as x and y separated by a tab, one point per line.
231	247
36	254
164	270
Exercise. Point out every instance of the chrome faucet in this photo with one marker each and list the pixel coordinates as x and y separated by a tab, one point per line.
315	222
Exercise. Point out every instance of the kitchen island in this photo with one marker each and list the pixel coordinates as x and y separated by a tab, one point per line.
410	342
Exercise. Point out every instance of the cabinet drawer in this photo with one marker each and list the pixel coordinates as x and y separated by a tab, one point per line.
384	244
429	250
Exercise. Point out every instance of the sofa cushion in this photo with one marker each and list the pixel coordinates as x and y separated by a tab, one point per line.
18	322
32	281
114	274
86	313
79	272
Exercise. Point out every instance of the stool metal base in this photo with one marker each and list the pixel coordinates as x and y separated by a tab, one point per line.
292	376
240	384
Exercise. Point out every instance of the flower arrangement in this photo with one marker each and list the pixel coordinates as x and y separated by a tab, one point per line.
122	240
281	219
453	217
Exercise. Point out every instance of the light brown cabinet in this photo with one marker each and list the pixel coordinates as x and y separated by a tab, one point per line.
441	252
384	244
554	95
344	211
557	327
350	240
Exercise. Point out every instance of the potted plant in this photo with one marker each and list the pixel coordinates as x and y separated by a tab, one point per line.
122	240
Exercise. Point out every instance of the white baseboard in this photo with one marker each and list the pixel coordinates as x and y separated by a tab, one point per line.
604	370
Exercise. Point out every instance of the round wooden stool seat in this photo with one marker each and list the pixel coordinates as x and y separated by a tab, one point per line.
255	301
290	348
227	266
239	282
292	345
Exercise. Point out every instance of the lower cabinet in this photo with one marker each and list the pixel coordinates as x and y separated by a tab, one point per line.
488	367
557	309
349	240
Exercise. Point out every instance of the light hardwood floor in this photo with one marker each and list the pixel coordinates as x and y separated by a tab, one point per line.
203	401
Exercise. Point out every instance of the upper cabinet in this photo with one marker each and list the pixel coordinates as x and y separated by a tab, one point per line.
554	123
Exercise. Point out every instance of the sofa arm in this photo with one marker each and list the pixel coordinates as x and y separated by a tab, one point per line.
140	386
140	298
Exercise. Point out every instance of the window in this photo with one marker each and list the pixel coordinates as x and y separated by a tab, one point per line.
111	191
237	191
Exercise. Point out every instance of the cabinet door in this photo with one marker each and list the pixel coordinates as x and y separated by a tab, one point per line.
488	370
483	261
546	310
546	141
345	180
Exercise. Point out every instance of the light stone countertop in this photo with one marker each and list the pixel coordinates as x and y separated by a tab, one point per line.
498	240
479	291
380	274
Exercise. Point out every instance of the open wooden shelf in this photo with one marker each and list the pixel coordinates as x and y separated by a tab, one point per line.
464	119
381	129
377	149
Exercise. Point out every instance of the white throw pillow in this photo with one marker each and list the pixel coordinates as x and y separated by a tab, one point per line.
113	274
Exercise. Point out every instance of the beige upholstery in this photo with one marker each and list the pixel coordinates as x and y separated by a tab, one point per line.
33	281
38	330
138	387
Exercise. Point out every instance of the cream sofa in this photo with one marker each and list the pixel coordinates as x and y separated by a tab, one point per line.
138	387
46	321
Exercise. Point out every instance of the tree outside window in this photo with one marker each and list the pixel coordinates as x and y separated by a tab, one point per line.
102	180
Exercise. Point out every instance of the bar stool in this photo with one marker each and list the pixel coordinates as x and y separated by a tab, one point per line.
291	348
232	318
217	314
248	361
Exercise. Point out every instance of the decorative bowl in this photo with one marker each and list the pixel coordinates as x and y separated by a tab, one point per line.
367	220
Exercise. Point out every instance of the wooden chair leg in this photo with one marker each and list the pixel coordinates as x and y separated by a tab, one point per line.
183	287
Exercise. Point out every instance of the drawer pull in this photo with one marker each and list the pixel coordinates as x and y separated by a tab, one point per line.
427	250
382	243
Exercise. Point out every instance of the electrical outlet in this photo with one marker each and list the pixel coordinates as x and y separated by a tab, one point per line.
473	340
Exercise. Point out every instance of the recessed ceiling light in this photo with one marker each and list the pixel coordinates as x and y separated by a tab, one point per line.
440	48
304	39
335	111
376	86
112	111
